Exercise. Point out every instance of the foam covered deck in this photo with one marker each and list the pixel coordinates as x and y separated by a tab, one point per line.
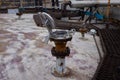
24	55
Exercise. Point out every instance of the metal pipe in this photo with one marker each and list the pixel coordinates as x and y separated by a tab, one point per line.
60	65
93	32
78	4
97	47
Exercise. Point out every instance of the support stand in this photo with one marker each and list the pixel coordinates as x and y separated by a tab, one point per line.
60	51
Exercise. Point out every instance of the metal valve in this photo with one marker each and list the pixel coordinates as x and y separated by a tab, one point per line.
60	38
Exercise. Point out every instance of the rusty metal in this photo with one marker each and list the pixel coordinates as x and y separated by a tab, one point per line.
58	14
108	10
59	24
60	38
60	51
83	30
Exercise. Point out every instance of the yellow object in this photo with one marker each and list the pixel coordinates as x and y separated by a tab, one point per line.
108	9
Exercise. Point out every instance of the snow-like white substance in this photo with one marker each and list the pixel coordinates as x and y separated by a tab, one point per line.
26	57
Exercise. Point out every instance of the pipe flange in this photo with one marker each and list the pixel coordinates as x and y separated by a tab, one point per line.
61	54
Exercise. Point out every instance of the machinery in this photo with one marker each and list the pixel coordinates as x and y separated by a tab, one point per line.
60	38
93	6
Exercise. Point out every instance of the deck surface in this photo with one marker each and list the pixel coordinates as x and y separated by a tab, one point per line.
24	55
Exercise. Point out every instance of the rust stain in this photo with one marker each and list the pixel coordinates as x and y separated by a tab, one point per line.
39	44
3	46
4	32
30	36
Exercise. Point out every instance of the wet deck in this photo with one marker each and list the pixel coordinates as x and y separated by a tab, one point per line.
24	55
